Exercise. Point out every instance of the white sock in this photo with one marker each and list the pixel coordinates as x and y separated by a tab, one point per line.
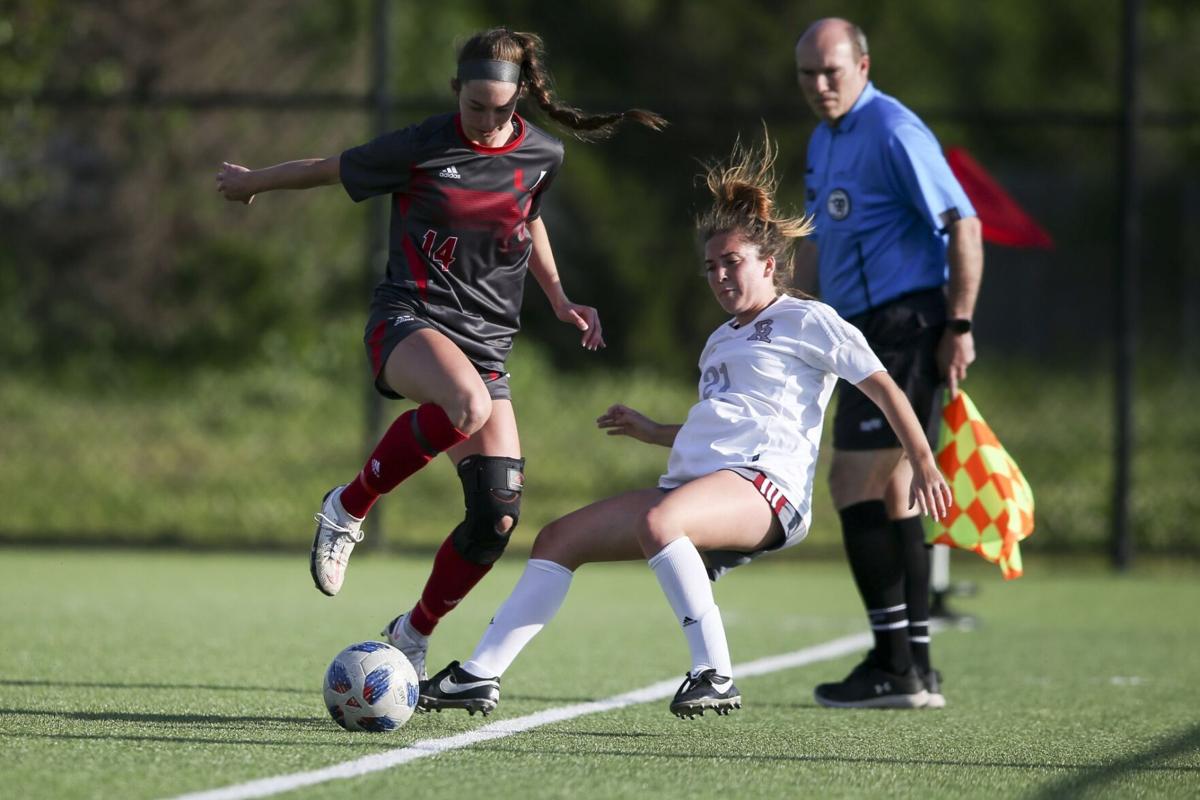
684	580
533	602
709	635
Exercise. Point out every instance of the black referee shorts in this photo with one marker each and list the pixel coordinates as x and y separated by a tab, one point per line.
904	333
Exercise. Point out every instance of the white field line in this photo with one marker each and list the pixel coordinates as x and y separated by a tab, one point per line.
265	787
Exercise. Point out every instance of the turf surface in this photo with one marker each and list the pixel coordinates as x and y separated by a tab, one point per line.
129	674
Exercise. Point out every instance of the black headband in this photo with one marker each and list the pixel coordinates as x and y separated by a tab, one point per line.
480	69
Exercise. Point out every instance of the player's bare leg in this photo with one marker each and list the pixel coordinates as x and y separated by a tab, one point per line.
429	369
457	565
719	511
475	685
857	476
722	510
426	367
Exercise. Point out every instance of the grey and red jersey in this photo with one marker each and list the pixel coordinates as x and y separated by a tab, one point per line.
459	244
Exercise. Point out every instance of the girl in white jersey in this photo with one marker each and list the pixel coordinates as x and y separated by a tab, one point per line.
739	480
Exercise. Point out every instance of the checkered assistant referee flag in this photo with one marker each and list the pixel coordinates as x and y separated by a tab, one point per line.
993	504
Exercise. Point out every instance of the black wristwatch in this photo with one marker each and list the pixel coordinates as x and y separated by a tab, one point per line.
958	325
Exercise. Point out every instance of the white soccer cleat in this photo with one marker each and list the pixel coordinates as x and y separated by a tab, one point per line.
401	635
337	533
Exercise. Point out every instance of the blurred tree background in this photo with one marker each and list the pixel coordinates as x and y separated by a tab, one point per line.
178	368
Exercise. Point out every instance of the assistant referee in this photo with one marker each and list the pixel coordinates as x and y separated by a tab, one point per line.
898	252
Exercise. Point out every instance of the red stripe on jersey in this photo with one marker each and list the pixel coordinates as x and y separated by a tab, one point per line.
472	209
518	124
759	480
416	268
453	210
376	344
519	180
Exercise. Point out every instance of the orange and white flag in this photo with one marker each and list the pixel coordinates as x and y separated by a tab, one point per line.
993	504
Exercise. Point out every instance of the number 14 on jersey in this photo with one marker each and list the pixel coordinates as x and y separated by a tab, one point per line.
440	254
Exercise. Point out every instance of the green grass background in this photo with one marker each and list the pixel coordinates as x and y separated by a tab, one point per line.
231	458
131	674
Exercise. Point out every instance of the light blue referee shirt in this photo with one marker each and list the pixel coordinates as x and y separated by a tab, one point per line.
882	197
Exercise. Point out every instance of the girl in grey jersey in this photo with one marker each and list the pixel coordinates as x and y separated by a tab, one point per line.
466	191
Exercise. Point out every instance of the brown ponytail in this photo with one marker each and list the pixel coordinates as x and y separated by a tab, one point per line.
743	191
526	49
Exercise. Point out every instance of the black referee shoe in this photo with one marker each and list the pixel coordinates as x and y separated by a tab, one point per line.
708	690
454	687
869	686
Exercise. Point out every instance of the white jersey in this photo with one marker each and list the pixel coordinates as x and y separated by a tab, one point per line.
764	387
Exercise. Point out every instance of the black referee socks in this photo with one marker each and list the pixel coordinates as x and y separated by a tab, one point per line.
911	533
876	556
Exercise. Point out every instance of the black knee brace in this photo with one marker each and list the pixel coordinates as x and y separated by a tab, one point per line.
491	491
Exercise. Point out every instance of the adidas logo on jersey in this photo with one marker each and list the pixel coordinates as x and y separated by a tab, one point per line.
450	172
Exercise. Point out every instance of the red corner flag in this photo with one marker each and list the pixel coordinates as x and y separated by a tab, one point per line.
1004	222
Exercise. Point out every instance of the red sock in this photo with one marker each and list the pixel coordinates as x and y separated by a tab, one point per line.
410	443
451	580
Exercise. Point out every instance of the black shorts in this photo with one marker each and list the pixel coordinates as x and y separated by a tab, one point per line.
389	325
904	333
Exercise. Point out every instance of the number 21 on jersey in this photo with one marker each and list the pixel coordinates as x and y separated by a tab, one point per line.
716	380
442	254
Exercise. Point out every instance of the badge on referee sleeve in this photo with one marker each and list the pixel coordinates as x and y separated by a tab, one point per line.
993	503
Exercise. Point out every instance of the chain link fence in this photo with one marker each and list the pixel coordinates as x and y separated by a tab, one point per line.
181	370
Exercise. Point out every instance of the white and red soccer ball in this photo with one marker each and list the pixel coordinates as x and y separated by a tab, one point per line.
370	686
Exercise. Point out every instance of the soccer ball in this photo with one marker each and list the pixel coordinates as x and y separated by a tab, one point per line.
370	686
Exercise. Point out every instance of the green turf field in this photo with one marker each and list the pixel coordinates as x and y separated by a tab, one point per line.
126	674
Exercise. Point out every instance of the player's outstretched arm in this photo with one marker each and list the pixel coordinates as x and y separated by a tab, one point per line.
240	184
545	272
621	420
929	490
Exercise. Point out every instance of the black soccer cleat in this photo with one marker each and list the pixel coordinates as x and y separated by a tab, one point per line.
870	686
454	687
708	690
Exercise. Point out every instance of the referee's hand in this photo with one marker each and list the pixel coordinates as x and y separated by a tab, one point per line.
955	353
